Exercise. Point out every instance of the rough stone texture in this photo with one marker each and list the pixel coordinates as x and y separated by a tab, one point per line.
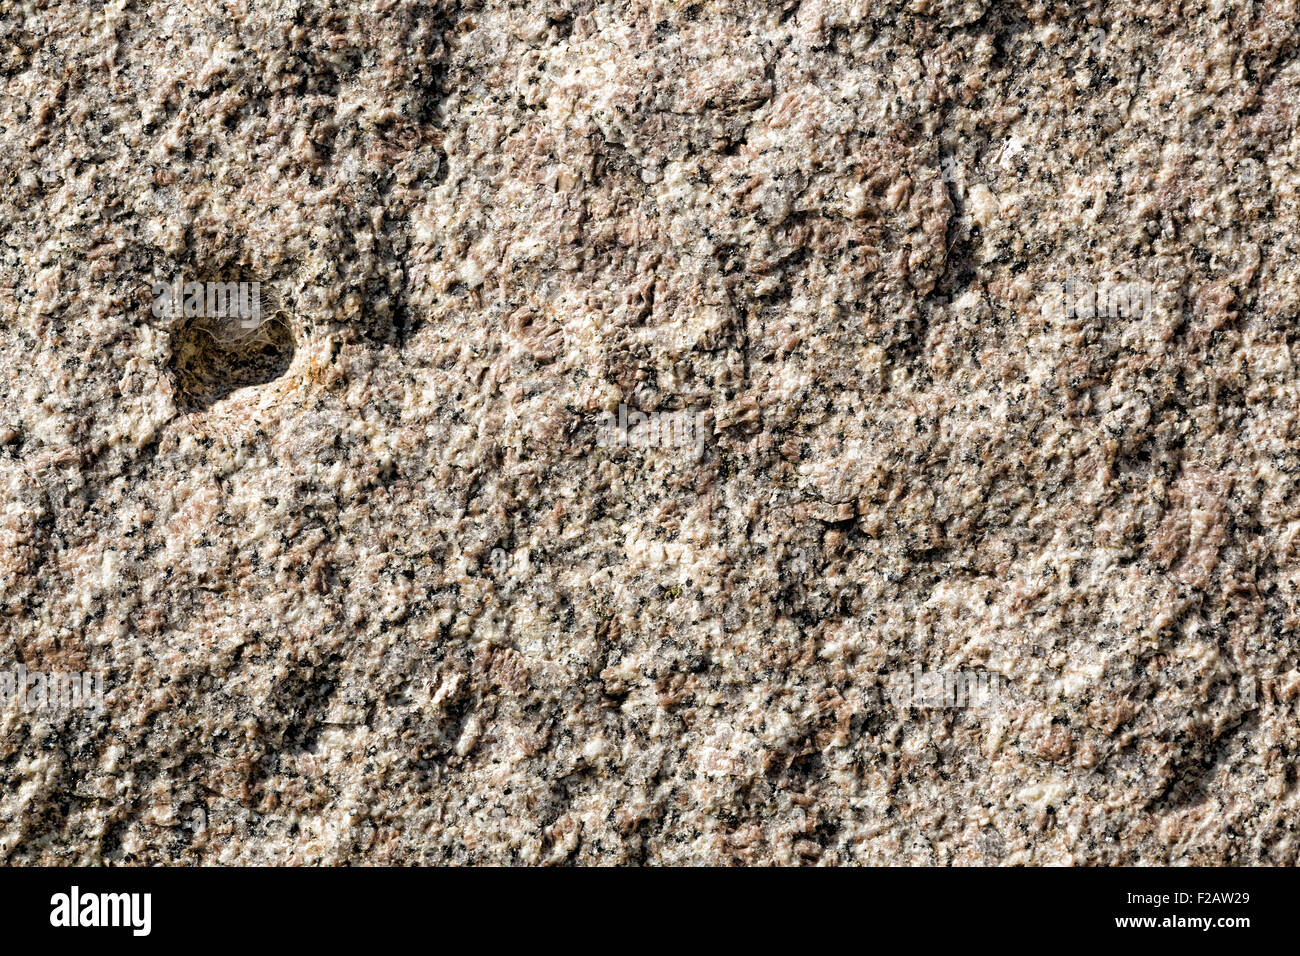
364	587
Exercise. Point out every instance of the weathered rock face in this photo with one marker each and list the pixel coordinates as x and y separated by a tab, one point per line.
649	403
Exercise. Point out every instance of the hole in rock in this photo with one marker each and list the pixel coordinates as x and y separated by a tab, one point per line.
212	357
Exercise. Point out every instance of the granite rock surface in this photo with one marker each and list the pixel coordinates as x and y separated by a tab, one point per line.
649	402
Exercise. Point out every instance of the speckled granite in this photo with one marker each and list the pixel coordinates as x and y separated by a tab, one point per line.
370	582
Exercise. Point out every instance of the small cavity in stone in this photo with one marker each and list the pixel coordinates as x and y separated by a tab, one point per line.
213	357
